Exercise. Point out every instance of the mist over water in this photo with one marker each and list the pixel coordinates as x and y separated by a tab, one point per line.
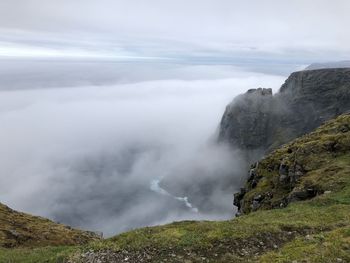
155	186
111	147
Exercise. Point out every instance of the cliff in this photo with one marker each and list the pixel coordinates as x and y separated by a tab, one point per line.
258	122
311	165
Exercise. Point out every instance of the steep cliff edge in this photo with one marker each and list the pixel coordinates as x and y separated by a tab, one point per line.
312	165
258	122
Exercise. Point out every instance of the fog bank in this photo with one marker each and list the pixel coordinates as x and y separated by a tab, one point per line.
88	154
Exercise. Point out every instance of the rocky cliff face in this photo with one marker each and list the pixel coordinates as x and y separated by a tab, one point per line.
258	122
311	165
247	121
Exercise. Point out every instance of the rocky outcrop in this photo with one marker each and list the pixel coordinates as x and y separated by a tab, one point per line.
311	165
258	122
247	120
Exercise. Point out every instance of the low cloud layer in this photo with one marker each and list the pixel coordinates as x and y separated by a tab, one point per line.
87	155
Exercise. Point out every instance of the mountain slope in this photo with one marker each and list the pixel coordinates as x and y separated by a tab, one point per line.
316	229
312	165
23	230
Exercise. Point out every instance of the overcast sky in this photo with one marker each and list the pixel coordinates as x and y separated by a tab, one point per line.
183	29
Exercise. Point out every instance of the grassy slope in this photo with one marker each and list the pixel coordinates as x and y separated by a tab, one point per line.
316	230
20	229
323	156
57	254
20	232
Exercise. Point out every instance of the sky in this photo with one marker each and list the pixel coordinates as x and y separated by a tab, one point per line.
206	30
109	109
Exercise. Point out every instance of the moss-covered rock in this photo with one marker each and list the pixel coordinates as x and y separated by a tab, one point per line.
314	164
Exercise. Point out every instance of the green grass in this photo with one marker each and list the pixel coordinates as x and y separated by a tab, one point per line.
324	156
333	246
36	255
311	217
201	235
319	217
24	230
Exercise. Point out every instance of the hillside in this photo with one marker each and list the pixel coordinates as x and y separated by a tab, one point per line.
23	230
312	165
315	228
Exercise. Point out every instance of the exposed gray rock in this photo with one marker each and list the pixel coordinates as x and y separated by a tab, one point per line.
14	233
259	198
284	179
300	194
245	123
258	122
238	197
255	205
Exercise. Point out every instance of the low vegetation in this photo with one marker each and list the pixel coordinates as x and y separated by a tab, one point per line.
313	164
24	230
57	254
